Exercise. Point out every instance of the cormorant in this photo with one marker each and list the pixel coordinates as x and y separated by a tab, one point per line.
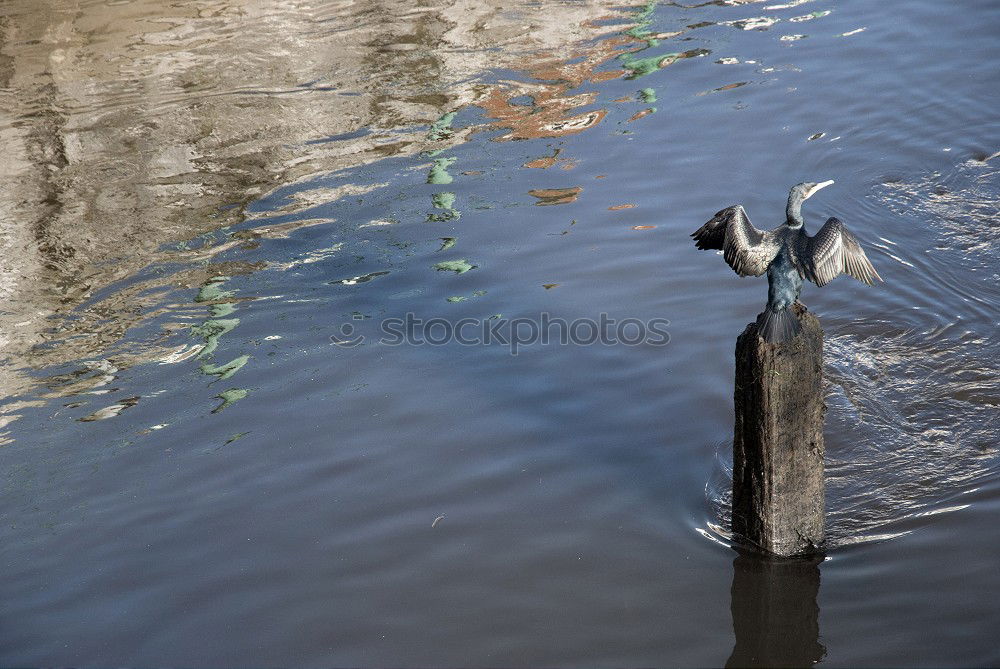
787	254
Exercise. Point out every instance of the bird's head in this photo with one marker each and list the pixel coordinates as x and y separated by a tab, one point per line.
804	191
798	194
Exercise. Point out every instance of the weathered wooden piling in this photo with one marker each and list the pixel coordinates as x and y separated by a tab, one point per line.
778	441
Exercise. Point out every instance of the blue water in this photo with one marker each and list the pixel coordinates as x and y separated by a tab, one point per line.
457	505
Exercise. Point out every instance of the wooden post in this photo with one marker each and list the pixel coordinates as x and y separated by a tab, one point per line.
778	440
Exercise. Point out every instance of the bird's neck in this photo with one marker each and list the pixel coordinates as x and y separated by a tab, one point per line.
793	213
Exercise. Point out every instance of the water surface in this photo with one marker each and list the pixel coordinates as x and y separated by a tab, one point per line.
204	200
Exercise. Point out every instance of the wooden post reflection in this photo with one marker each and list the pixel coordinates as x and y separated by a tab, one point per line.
775	614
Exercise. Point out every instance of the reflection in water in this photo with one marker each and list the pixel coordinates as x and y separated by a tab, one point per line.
775	614
548	196
325	156
176	135
130	127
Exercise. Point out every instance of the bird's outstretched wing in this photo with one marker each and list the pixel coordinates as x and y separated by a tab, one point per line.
747	250
831	251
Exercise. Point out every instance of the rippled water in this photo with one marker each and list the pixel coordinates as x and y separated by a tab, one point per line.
202	200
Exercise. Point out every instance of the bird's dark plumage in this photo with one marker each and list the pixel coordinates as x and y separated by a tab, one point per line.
747	250
834	250
787	254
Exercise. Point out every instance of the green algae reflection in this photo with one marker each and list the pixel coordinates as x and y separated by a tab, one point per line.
439	171
226	370
441	128
230	397
446	203
212	330
460	266
212	290
463	298
639	67
644	19
443	200
221	309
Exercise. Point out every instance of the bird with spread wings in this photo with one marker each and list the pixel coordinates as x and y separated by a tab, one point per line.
787	254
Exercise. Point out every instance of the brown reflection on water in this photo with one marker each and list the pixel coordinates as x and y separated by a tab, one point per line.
552	112
549	196
127	126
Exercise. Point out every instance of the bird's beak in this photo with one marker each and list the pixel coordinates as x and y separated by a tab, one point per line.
816	187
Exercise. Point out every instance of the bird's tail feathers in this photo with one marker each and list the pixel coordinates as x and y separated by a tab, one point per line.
775	326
